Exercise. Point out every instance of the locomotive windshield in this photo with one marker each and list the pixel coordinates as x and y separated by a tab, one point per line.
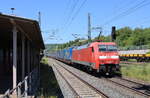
107	48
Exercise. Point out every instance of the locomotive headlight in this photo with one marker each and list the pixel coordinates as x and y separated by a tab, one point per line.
102	57
114	57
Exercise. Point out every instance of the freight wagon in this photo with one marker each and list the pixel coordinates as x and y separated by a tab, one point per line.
139	55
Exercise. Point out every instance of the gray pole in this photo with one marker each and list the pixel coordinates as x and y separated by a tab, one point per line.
89	27
14	58
40	19
12	11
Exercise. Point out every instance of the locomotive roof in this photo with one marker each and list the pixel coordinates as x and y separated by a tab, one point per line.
94	43
106	43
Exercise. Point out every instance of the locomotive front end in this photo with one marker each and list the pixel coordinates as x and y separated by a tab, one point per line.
108	58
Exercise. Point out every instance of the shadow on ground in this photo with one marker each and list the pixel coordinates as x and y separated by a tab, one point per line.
49	87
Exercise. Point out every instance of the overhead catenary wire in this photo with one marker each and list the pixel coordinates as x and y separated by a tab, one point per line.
66	9
125	5
128	11
75	15
140	23
68	6
70	13
122	6
73	8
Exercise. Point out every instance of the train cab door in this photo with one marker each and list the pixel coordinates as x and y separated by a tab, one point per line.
93	57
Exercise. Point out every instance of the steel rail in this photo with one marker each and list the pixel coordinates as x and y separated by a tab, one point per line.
129	88
67	82
130	81
136	83
89	85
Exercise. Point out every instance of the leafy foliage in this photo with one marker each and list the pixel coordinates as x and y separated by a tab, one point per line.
125	37
136	37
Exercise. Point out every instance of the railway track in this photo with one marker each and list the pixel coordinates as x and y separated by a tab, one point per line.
132	86
138	88
106	86
81	88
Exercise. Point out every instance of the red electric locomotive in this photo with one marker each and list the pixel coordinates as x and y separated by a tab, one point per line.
100	56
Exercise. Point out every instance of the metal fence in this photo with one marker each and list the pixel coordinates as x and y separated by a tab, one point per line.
25	88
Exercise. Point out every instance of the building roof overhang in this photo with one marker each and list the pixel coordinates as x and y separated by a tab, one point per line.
28	27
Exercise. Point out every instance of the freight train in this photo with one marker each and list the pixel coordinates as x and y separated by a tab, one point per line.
142	55
101	57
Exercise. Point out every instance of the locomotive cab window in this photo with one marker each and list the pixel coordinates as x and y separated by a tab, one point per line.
102	48
107	48
112	48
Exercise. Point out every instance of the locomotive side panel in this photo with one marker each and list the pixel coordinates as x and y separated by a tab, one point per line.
83	56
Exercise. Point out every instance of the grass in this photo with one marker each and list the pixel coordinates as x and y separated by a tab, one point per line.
141	72
132	60
49	87
44	61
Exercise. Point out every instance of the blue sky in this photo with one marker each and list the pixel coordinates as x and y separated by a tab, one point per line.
56	15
